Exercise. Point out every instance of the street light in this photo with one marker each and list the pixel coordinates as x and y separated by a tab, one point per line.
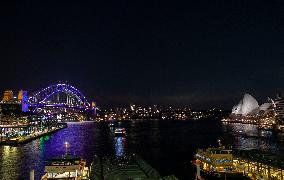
67	145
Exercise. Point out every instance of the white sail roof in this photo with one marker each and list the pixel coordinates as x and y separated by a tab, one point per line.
247	105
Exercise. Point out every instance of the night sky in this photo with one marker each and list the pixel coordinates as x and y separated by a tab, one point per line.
199	53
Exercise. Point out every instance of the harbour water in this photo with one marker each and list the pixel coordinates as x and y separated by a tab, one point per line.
168	146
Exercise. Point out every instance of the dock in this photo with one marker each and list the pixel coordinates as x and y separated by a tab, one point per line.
124	167
30	137
259	165
252	164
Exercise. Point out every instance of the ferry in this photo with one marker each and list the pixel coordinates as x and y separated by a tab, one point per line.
119	132
66	167
265	127
111	125
215	163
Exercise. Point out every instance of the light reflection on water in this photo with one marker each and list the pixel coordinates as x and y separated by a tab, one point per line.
7	161
242	129
248	136
119	145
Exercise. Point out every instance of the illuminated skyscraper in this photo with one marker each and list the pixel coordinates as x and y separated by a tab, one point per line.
20	95
23	97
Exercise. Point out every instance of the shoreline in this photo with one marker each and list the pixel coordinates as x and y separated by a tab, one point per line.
30	138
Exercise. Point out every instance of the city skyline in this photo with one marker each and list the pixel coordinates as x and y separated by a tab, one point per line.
10	95
188	53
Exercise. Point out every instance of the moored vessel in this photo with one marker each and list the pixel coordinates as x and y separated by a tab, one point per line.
66	167
119	132
215	163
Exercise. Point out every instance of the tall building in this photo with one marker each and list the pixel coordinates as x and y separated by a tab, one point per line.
8	96
24	100
20	95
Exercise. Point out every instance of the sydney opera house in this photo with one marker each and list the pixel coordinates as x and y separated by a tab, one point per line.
249	106
249	111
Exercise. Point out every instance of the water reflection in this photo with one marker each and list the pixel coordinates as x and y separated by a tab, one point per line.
175	140
119	145
248	136
10	157
241	129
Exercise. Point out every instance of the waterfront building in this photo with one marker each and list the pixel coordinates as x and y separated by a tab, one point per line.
248	106
248	111
259	165
254	164
21	129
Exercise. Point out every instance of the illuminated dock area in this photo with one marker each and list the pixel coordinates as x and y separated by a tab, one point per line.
238	164
259	165
7	138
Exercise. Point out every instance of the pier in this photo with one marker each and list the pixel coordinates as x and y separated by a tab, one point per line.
253	164
259	165
124	167
32	136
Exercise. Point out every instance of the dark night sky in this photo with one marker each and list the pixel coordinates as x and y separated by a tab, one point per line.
199	53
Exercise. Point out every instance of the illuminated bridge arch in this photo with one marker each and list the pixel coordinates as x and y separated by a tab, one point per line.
41	96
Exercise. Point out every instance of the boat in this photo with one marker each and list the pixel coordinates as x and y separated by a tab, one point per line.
215	163
66	167
265	127
119	132
111	125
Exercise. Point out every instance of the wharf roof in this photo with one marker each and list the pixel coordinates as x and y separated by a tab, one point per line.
275	160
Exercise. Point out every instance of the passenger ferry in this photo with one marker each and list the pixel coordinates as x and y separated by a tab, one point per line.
119	132
66	167
215	163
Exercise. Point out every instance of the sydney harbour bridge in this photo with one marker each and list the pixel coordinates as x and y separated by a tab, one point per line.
63	100
60	100
74	98
44	111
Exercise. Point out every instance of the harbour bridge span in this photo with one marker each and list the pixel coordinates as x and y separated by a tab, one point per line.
51	96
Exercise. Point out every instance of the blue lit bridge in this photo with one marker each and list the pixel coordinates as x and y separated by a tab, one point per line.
59	95
44	111
61	100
